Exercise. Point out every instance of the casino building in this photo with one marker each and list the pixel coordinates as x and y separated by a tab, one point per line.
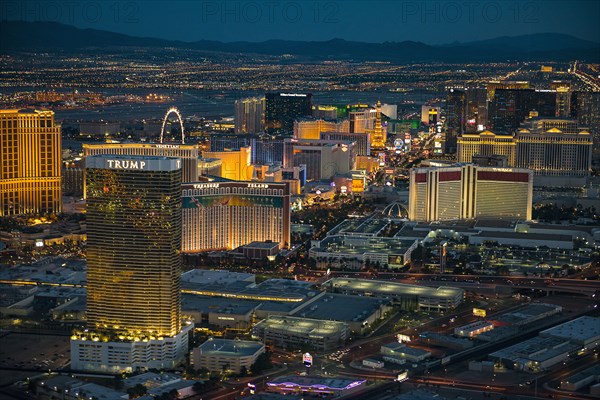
133	266
466	191
225	214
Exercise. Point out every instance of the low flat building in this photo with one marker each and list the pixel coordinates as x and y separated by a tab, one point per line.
450	342
527	314
151	380
410	297
535	355
358	312
315	385
474	329
420	394
522	239
218	277
584	331
356	252
183	388
273	396
582	379
399	353
278	290
498	333
218	355
63	387
260	250
296	333
220	312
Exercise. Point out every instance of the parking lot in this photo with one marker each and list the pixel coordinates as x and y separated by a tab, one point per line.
34	352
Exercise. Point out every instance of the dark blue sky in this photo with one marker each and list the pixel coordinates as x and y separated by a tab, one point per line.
432	22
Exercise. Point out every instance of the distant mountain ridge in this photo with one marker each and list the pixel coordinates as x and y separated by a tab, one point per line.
52	36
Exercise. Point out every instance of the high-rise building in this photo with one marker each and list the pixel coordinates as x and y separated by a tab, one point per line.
227	214
466	191
312	128
362	140
563	99
235	164
455	112
228	141
390	110
30	156
493	85
187	153
323	158
134	265
486	143
325	112
510	107
378	136
99	129
557	150
72	180
269	150
282	109
585	106
476	111
430	115
250	115
362	121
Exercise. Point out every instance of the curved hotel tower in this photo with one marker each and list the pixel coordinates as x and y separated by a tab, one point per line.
134	265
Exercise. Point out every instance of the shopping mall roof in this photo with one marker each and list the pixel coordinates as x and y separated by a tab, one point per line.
392	288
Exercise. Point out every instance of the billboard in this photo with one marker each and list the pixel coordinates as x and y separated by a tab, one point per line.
232	200
307	359
403	338
478	312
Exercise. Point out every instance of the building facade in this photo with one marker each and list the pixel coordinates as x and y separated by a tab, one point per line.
323	158
250	115
295	333
30	154
362	140
282	109
187	153
217	355
469	191
227	215
134	265
557	150
510	107
312	128
235	164
486	143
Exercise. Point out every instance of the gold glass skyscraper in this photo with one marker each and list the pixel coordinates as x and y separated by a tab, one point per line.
30	157
133	244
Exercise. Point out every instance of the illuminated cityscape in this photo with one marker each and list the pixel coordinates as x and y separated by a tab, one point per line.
299	200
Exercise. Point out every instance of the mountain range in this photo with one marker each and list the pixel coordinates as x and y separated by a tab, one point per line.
20	36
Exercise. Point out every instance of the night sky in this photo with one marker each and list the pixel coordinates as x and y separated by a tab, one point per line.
432	22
